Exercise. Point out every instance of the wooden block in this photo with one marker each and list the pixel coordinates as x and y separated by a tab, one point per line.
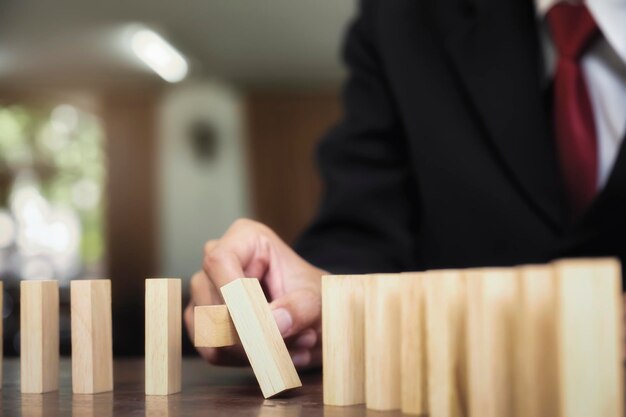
343	339
535	370
382	342
92	347
413	372
589	322
39	336
163	336
213	327
260	336
492	303
445	294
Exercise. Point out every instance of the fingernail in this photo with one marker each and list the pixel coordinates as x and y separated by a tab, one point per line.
283	320
306	340
301	358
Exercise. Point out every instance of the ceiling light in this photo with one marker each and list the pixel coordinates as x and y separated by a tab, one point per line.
159	55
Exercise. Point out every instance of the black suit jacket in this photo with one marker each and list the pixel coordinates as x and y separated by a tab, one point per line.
445	155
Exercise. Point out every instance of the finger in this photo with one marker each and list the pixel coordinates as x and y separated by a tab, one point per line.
297	311
223	266
244	248
210	245
202	290
307	358
301	358
305	340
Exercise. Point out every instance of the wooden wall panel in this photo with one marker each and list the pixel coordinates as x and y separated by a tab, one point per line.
283	131
131	213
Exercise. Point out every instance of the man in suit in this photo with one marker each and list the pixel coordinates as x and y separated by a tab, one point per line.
475	133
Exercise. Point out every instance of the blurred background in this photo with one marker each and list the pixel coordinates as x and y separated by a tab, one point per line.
132	132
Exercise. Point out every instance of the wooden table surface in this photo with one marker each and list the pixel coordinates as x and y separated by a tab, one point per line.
207	391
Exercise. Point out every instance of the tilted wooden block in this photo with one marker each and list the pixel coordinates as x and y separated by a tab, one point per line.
382	342
39	336
163	336
92	348
343	339
413	373
589	322
260	337
536	381
446	311
492	301
213	327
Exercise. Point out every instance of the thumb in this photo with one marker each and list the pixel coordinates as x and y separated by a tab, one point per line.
296	311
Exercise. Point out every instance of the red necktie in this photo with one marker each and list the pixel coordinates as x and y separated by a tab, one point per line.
573	29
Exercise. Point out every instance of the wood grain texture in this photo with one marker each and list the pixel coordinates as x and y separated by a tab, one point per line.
92	353
413	372
492	301
163	336
213	327
39	336
589	322
382	342
535	376
343	339
446	309
260	337
283	131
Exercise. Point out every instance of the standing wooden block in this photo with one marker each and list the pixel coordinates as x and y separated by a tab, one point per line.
343	339
382	342
163	336
445	293
413	373
589	322
213	327
92	348
536	371
39	336
260	336
492	303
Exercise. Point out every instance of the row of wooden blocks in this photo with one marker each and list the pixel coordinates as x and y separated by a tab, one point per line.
91	327
245	319
530	341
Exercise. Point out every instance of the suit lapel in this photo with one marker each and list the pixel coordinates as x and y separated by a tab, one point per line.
494	47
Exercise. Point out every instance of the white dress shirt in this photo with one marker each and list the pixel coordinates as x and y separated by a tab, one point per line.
604	67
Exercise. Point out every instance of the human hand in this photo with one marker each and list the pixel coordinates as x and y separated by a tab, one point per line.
292	285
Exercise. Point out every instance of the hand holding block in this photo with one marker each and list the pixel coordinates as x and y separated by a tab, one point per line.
382	342
589	328
260	336
343	339
213	327
445	343
92	349
413	373
163	336
39	332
